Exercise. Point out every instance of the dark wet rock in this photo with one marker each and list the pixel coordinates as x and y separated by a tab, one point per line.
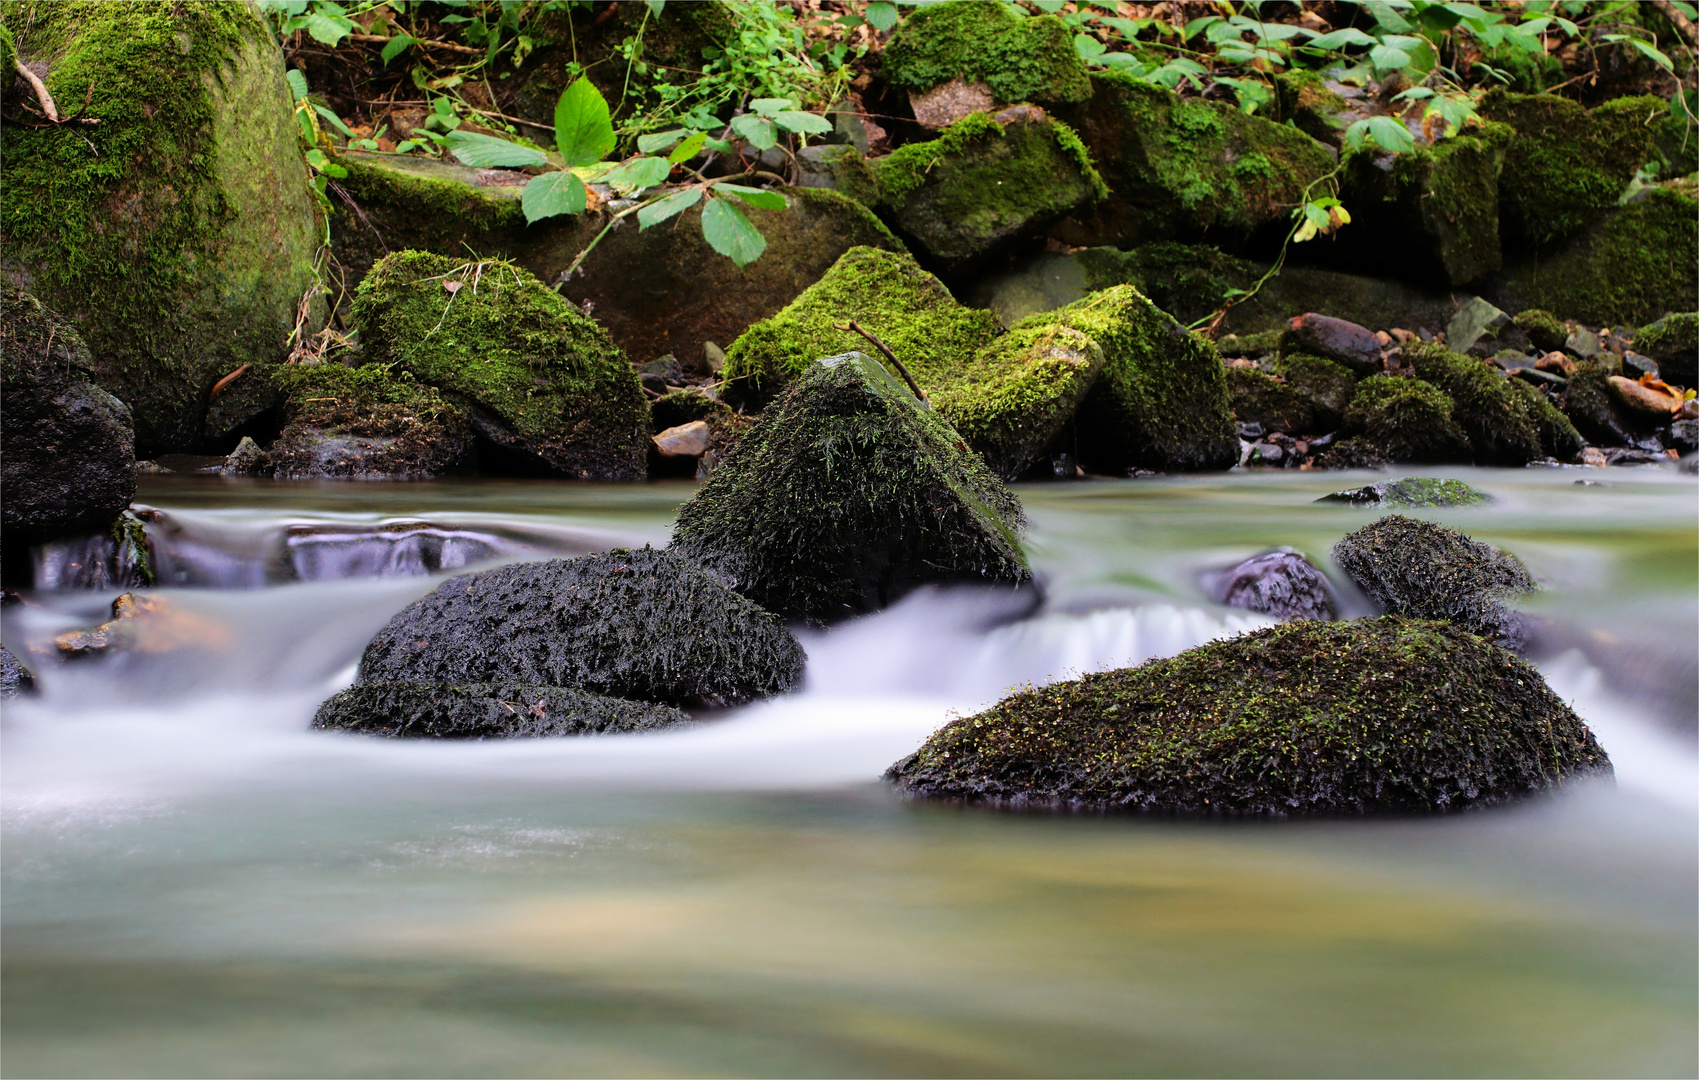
67	447
1327	387
1544	329
1684	436
240	402
1386	715
1427	571
1634	365
1476	321
506	710
641	624
15	679
1411	491
846	494
1352	453
681	409
365	423
1356	347
1673	341
118	557
1596	412
246	460
1507	421
540	379
1280	583
1267	402
1404	420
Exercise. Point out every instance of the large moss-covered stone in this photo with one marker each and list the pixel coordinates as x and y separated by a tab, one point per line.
1385	715
1427	571
67	448
639	624
1181	167
365	424
1261	399
501	710
1673	342
178	234
1507	421
1405	420
539	377
658	291
846	494
1019	57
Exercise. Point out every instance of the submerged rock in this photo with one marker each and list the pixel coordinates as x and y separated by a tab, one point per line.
1281	583
1386	715
179	232
15	679
641	624
846	494
1410	491
365	424
539	378
506	710
1427	571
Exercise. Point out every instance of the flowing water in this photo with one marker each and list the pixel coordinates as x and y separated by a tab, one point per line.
197	884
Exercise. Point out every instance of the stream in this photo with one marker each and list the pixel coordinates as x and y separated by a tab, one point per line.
195	883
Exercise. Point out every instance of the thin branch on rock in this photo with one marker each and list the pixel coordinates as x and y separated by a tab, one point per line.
889	355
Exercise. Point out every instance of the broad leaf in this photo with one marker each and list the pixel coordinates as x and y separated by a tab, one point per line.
688	149
882	15
655	142
771	106
1338	39
553	193
335	120
329	29
803	123
1390	134
757	197
395	46
639	173
656	7
583	131
731	234
489	152
297	83
671	206
758	130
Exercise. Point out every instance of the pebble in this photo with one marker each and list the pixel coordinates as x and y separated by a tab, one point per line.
1643	399
685	440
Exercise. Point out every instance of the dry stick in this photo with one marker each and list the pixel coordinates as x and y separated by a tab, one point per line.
379	39
1683	25
889	355
50	110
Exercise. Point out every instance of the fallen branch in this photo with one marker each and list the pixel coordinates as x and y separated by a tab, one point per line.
48	109
1683	25
379	39
889	355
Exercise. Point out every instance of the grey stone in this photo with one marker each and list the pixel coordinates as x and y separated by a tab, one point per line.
1475	320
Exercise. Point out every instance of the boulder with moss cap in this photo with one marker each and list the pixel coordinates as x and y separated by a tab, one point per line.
846	494
178	234
365	424
539	378
1016	56
1507	421
1405	420
1387	715
1673	341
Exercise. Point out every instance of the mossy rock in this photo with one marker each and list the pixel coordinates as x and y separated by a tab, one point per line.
1596	412
1161	400
984	185
1181	167
1020	57
1410	491
1406	420
640	624
1307	103
1544	329
1258	398
725	430
1506	420
1326	385
1305	393
540	378
657	291
1427	571
1568	164
503	710
1383	715
365	424
847	494
179	233
1673	341
1437	205
67	447
15	679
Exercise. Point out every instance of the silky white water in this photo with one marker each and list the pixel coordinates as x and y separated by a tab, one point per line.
196	883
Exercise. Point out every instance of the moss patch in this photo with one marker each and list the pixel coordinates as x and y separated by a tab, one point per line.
364	423
1327	386
847	494
1021	58
1505	425
541	377
1382	715
1406	420
1544	329
1261	399
503	710
1673	342
1410	491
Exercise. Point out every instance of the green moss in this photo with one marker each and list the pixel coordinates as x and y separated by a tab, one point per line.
1249	345
1021	58
1529	72
1498	419
509	710
1186	280
1673	342
1558	437
1568	164
489	334
1307	104
1410	491
1406	420
1161	400
1372	715
364	423
133	555
887	293
1261	399
1325	384
179	232
847	494
1544	329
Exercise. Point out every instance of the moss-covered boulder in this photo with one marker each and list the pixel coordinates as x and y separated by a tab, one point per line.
67	447
177	234
1161	400
657	291
984	185
1261	399
1507	421
1427	571
1019	57
639	624
1410	491
541	379
503	710
1673	342
1545	330
1326	385
1405	420
1631	266
1383	715
1596	412
846	494
1567	164
365	424
1181	167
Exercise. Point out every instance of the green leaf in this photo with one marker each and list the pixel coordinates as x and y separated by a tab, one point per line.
639	173
335	120
395	46
1050	7
1338	39
486	151
328	29
297	83
583	131
1390	134
758	130
1386	15
803	123
688	149
656	142
656	7
1649	50
719	146
662	209
771	106
1198	24
553	193
1387	58
1089	47
761	198
882	15
731	234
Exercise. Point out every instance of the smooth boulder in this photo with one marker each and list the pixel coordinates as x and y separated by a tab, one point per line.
1281	583
507	710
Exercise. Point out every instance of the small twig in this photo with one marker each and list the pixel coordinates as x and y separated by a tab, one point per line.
227	380
379	39
49	110
889	355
